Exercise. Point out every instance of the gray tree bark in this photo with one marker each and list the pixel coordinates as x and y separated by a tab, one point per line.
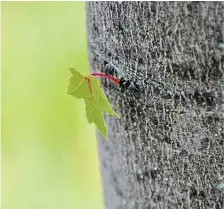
167	150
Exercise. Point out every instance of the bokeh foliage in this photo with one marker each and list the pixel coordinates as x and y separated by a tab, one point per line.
48	148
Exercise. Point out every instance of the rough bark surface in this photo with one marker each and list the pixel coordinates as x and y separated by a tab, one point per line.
167	150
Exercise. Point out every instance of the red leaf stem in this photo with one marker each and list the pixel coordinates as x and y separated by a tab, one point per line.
115	80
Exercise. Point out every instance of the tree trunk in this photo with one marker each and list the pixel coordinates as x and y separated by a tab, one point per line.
167	150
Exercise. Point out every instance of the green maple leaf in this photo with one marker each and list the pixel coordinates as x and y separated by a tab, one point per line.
88	88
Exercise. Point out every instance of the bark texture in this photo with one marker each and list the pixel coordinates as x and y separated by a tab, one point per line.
167	150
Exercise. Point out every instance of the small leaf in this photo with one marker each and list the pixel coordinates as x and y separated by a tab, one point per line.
88	88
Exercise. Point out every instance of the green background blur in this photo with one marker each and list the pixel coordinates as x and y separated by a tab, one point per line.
49	151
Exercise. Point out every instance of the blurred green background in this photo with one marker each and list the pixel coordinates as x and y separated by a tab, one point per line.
49	151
